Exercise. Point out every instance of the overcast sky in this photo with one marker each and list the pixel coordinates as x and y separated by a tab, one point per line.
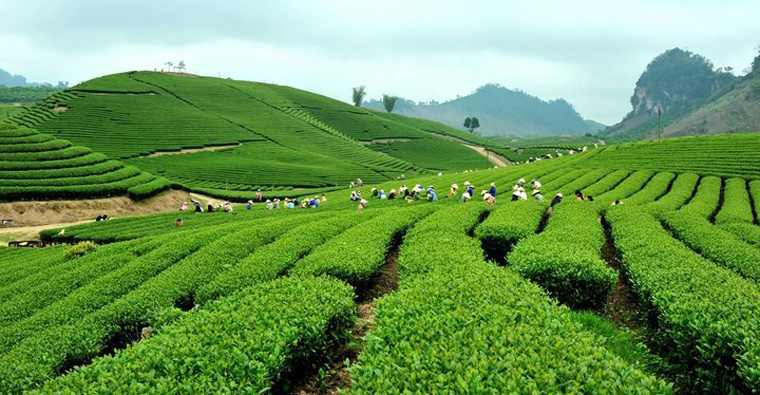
590	53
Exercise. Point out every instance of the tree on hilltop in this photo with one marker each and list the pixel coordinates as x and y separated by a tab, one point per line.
181	66
169	65
471	123
389	102
358	95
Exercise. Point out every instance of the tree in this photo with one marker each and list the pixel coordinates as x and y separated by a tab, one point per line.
358	95
169	65
389	102
181	66
471	123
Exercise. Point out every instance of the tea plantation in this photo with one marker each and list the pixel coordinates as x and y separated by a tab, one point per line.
243	136
658	294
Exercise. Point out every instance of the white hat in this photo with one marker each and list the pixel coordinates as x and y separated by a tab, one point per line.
522	180
493	184
250	201
455	186
467	183
559	194
269	201
535	191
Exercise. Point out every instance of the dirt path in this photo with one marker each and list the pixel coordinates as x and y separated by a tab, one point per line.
493	157
31	214
381	141
27	233
192	150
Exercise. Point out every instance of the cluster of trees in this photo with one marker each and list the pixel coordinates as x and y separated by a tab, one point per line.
389	102
359	92
27	94
179	68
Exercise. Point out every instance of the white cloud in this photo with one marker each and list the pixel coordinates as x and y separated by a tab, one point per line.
590	53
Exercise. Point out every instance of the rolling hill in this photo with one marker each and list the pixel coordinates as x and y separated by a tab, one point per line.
37	166
153	302
501	111
694	97
219	135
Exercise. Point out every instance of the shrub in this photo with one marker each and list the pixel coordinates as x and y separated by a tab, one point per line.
211	350
706	318
81	249
565	258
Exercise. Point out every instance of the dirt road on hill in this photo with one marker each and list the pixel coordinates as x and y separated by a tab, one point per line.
493	157
27	233
34	214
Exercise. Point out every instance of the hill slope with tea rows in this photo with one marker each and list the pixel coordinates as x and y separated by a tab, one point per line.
240	135
418	296
39	166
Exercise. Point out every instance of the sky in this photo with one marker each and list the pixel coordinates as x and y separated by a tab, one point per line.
588	52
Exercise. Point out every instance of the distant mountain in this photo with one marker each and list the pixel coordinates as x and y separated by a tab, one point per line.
11	80
678	83
594	126
501	111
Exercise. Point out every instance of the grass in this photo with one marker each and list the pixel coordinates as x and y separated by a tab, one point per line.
623	342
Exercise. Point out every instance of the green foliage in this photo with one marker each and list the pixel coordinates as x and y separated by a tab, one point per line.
357	95
211	350
25	94
471	123
619	340
714	243
749	233
508	224
452	308
654	189
707	316
38	166
427	153
357	255
441	240
565	258
706	200
127	298
680	193
726	155
389	102
736	206
274	259
81	249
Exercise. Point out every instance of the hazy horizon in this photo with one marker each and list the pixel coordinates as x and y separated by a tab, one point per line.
589	53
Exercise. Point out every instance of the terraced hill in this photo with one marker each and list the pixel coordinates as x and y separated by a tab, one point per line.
251	135
410	292
37	166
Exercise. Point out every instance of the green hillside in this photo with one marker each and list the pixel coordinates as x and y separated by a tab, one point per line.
243	135
270	291
37	166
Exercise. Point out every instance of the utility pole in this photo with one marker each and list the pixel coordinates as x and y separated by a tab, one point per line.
659	123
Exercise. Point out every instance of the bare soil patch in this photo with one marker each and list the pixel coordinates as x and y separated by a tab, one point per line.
623	304
66	212
381	141
193	150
